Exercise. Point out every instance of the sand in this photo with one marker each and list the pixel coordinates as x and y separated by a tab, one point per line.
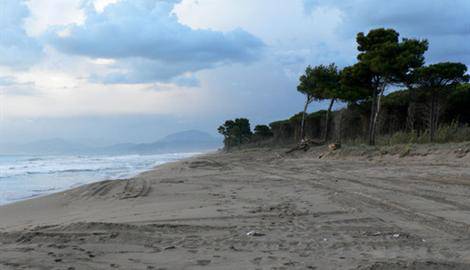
400	208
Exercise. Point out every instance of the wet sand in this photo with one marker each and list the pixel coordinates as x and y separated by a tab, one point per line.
257	209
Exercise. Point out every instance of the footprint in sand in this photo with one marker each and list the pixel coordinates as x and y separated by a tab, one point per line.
257	260
203	262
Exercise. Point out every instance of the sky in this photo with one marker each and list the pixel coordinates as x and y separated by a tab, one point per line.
109	71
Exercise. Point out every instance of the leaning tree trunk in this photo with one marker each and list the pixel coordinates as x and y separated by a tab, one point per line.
327	120
302	122
373	128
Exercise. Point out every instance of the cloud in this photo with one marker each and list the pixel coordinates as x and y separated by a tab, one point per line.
188	80
150	43
445	23
7	80
47	13
423	17
141	70
11	87
17	49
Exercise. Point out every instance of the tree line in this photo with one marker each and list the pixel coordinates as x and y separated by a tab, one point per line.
237	132
384	62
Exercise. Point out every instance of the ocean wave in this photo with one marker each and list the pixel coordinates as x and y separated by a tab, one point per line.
27	177
19	173
44	190
35	159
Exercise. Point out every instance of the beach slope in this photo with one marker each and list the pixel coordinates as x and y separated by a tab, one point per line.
256	209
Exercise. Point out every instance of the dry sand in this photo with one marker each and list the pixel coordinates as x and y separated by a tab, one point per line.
397	208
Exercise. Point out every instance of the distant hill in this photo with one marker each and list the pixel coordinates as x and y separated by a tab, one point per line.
186	141
188	136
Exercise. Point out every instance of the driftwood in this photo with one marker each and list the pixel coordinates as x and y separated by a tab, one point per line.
305	145
334	146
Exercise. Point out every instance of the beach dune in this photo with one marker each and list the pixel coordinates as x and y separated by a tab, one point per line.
256	209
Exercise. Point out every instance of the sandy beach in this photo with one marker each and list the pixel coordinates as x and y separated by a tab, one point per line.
401	208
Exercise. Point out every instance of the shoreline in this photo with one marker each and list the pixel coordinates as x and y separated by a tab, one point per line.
131	173
255	208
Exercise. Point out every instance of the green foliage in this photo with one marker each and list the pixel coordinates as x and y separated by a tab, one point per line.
386	56
438	78
320	82
442	75
317	115
378	51
397	98
384	60
458	105
296	118
356	83
235	132
374	40
279	123
411	57
263	131
401	137
452	132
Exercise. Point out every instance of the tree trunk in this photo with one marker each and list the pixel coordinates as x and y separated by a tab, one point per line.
340	127
373	130
411	113
433	118
327	120
437	114
302	123
371	117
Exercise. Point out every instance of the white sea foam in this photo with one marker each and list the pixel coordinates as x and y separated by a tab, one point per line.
23	177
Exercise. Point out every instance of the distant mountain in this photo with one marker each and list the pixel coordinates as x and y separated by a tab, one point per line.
186	141
188	136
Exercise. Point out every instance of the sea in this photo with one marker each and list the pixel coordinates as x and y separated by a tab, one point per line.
25	177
